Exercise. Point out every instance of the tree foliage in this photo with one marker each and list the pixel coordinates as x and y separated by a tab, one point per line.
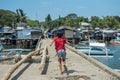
20	16
33	23
48	22
10	18
6	18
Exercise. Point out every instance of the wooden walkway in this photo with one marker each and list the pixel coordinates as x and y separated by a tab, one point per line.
79	68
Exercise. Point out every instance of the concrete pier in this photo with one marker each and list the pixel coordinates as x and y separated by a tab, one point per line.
80	67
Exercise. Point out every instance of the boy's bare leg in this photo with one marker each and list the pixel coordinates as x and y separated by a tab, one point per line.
64	62
60	65
65	67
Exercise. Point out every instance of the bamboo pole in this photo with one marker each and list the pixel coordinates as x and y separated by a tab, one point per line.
11	70
33	58
43	61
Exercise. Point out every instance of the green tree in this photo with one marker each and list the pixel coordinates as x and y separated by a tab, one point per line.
48	22
20	16
6	18
71	16
71	20
95	21
33	23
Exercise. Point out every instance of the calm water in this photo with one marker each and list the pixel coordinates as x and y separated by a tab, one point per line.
113	62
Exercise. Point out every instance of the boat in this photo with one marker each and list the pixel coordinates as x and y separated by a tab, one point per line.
6	55
95	49
17	50
10	53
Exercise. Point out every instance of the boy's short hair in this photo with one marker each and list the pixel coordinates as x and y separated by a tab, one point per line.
59	34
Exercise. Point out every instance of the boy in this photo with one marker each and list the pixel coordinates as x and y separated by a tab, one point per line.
60	42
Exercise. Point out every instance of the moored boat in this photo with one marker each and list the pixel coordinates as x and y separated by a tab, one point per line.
95	49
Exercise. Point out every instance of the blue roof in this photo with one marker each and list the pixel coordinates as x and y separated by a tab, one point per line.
25	33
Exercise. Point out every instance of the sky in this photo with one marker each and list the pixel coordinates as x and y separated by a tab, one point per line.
39	9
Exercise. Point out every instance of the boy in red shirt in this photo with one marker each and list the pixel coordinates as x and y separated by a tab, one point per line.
60	42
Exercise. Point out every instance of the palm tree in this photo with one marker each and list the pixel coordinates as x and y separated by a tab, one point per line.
21	16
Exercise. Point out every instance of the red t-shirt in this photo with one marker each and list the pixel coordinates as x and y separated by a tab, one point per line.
60	43
55	38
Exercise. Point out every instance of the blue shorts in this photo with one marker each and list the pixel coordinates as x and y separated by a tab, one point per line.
61	54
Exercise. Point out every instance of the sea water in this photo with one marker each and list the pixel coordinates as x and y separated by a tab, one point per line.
114	61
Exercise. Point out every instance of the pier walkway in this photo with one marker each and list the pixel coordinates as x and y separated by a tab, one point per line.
80	67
